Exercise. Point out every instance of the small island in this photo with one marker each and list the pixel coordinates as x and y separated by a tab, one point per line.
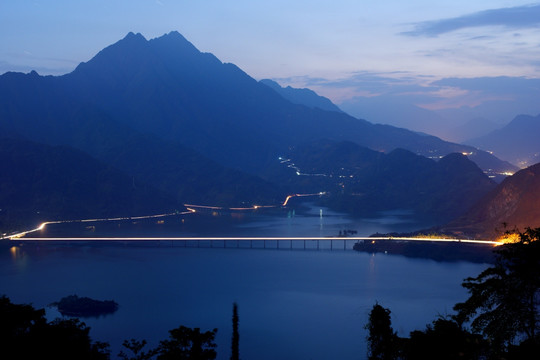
74	305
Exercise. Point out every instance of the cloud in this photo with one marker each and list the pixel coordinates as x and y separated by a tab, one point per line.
362	84
521	86
519	17
426	92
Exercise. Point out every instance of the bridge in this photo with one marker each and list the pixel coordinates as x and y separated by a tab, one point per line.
308	242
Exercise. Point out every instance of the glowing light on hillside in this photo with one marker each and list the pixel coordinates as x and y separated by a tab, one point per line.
508	239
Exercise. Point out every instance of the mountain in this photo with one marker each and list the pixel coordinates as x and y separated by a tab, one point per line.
512	204
472	129
45	110
187	124
305	97
362	181
167	87
392	110
516	142
51	182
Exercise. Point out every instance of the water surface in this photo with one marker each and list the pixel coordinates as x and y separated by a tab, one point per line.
292	304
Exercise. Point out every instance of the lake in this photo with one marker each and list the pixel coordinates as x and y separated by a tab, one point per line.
293	304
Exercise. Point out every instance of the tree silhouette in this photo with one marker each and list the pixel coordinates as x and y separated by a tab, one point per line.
444	340
26	334
382	340
188	343
505	298
135	347
235	349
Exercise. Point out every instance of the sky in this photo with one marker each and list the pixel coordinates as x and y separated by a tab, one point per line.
343	49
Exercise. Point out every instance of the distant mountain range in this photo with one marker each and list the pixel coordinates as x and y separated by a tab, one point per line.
189	126
516	142
513	204
475	106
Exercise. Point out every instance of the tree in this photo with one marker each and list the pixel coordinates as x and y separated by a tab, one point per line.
69	339
235	350
444	340
26	334
504	299
135	347
382	340
188	343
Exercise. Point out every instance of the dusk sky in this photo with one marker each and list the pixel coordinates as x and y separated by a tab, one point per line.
342	49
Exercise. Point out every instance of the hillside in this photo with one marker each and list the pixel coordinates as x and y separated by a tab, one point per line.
42	182
362	181
42	109
515	203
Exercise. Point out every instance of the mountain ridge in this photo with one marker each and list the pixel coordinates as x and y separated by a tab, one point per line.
226	81
304	96
58	182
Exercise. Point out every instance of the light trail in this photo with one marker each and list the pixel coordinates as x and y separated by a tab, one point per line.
190	207
301	195
204	207
44	224
258	238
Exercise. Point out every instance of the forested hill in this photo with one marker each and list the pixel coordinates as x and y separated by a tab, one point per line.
512	204
363	181
41	182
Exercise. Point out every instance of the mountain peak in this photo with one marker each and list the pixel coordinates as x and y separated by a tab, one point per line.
174	40
132	36
174	34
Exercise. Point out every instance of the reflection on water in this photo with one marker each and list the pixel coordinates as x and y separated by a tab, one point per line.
15	252
18	257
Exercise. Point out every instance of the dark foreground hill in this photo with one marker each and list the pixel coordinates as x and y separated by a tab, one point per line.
362	181
41	182
515	203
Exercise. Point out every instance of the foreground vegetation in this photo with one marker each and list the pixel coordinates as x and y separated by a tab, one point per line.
25	334
499	320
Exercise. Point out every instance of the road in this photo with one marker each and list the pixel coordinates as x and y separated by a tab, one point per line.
191	208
